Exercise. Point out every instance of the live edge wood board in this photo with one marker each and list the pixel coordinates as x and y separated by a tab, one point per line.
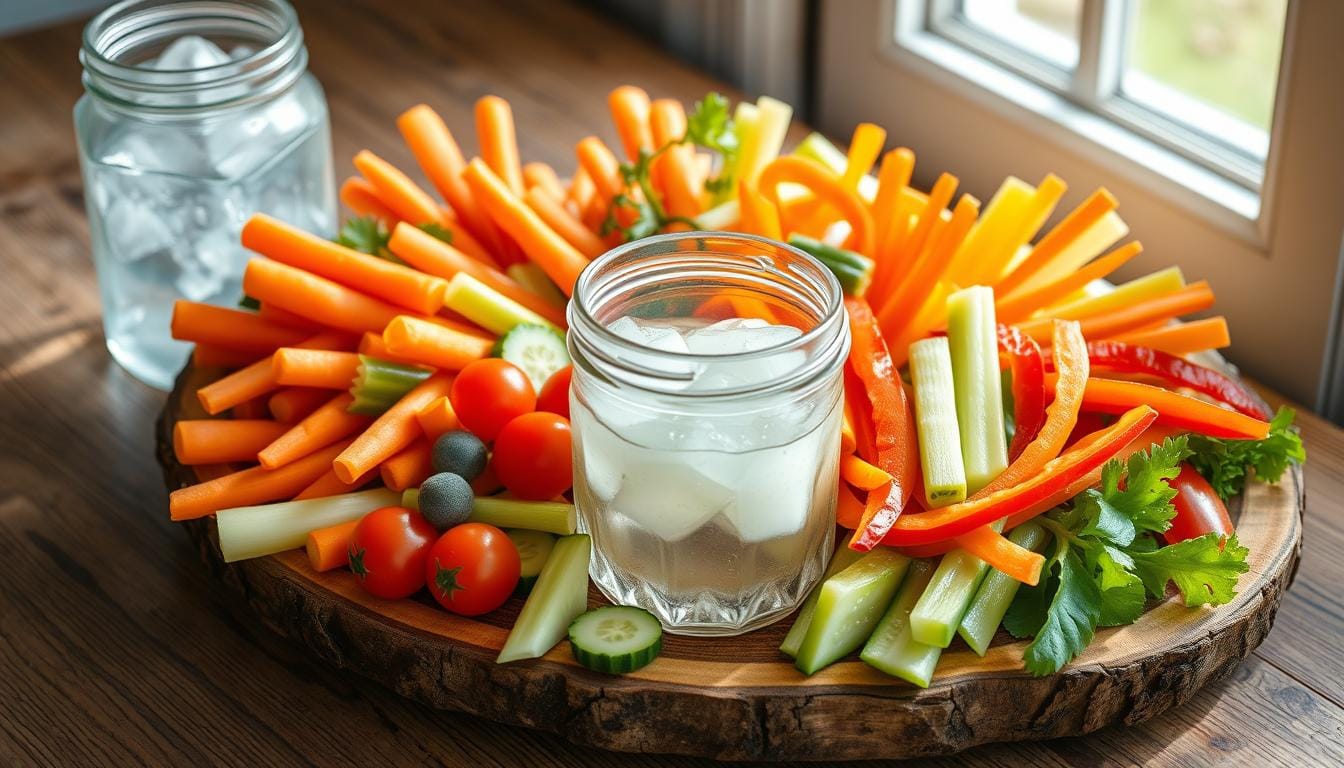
740	698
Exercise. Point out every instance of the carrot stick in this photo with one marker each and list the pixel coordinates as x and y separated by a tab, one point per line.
1078	221
211	356
674	172
397	191
232	329
921	236
826	186
864	146
316	298
437	418
561	262
893	175
313	368
433	345
440	158
251	409
393	431
257	379
759	216
580	192
1019	305
630	110
321	428
1182	338
565	224
429	254
331	485
408	468
602	167
902	306
371	344
1173	409
256	485
329	548
1192	298
280	316
499	142
362	197
537	175
861	474
216	441
289	405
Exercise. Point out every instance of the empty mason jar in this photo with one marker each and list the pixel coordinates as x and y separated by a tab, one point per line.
195	115
706	409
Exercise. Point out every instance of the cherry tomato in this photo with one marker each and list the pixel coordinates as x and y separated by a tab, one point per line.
490	393
472	569
1198	508
554	397
533	456
388	550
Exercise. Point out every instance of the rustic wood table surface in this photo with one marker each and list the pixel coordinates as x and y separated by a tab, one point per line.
112	648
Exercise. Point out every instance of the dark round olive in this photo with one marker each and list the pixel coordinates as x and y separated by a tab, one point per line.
445	500
461	453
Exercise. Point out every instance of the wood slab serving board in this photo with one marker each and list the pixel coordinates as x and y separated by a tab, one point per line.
740	698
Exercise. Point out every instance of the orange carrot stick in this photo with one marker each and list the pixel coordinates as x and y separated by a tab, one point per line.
362	197
324	426
921	236
602	167
210	356
1192	298
1173	409
316	298
280	316
232	329
1019	305
541	176
566	225
371	344
408	468
440	158
329	548
580	192
893	175
433	345
630	110
667	122
499	141
759	216
861	474
257	379
557	258
1078	221
1182	338
826	186
397	191
256	485
902	306
289	405
325	369
216	441
393	431
331	485
250	410
437	418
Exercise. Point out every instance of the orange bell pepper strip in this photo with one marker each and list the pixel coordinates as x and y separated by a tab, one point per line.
861	474
893	425
827	187
1173	408
848	508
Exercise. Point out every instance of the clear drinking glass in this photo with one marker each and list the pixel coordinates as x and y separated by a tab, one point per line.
707	476
195	116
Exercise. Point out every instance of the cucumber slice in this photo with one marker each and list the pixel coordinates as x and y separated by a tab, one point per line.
891	648
485	306
533	549
850	605
550	516
537	349
615	638
842	559
560	595
996	593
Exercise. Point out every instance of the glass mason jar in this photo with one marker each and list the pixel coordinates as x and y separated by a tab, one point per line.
706	465
195	115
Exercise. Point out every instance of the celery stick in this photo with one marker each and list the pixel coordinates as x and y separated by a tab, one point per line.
549	516
972	337
723	216
849	606
247	532
891	648
535	279
762	145
996	593
745	121
486	307
558	597
935	618
1138	290
379	384
817	147
842	559
936	421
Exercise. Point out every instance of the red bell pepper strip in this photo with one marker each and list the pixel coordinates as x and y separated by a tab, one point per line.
1173	408
1044	490
1028	387
893	425
1132	358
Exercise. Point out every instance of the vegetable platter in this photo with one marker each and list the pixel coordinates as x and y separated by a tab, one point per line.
1057	509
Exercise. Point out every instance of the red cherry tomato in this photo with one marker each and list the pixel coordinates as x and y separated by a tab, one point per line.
387	552
490	393
554	397
533	456
472	569
1198	508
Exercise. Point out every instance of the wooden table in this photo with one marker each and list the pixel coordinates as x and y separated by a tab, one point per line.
112	649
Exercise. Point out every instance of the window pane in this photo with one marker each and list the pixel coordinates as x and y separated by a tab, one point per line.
1213	64
1044	28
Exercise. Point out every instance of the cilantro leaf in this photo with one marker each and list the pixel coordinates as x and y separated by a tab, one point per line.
1122	596
1205	569
709	125
365	234
1224	463
247	302
1103	520
1026	614
1070	621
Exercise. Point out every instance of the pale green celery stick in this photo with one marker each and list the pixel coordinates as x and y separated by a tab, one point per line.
379	384
891	648
842	559
996	593
487	307
745	122
817	147
972	337
558	597
549	516
849	606
936	420
247	532
763	144
938	613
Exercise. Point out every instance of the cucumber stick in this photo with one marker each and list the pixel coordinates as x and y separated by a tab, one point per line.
853	270
972	337
996	592
539	350
534	547
559	596
935	618
842	559
549	516
892	648
247	532
615	638
849	605
486	307
940	454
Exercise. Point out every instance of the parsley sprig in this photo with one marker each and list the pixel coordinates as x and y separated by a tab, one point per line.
368	234
1224	463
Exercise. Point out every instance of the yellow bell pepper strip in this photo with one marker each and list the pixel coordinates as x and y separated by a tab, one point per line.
1177	371
1195	297
1046	489
826	186
1028	387
1173	408
893	425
